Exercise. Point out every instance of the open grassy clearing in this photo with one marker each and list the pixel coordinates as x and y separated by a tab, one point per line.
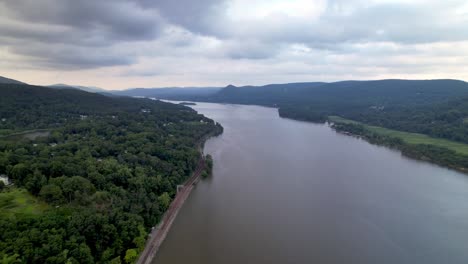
410	138
19	201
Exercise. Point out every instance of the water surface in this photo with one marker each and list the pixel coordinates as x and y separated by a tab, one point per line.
285	191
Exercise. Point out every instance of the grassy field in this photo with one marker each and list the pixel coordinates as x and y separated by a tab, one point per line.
410	138
19	201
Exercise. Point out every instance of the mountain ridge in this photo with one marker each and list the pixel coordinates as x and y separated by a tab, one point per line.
5	80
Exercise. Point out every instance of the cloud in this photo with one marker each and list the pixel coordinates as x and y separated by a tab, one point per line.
118	19
245	41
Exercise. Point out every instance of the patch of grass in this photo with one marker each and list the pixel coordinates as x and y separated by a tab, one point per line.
5	132
18	201
407	137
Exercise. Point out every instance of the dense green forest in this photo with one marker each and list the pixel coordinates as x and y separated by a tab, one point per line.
99	181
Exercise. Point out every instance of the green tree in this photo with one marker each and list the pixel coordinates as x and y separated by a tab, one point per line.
164	201
77	189
34	182
131	255
52	193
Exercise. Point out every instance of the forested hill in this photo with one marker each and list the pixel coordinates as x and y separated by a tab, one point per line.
433	107
5	80
89	188
358	93
33	107
438	108
326	96
169	93
271	94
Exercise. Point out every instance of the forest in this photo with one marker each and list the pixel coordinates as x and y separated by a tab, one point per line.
99	181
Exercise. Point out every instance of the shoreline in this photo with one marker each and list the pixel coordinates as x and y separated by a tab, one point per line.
158	233
422	152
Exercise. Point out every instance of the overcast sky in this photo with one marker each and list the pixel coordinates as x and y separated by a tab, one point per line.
116	44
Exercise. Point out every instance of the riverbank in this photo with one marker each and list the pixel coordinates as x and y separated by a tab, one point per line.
443	152
432	153
159	232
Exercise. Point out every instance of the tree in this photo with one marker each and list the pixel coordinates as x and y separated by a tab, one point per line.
164	200
19	172
77	189
34	182
9	259
131	255
82	254
51	193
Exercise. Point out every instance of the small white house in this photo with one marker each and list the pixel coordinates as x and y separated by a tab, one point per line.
4	179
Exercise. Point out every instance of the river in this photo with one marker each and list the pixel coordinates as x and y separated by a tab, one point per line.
285	191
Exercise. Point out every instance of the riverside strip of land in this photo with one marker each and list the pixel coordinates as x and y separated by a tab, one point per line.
410	138
417	146
159	233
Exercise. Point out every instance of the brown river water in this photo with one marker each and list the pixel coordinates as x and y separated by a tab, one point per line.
285	191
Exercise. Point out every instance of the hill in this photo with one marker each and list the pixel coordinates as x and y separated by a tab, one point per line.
426	119
79	87
169	93
328	96
102	171
272	94
5	80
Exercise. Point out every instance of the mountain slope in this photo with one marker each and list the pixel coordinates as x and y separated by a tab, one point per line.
83	88
5	80
169	93
366	93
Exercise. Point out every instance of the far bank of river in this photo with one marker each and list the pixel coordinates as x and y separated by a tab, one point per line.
286	191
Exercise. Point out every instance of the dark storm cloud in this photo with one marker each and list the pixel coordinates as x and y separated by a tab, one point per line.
68	57
67	33
117	19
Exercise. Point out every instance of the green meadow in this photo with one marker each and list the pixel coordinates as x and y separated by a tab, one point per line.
18	201
410	138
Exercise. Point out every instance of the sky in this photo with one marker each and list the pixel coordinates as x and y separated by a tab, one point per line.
117	44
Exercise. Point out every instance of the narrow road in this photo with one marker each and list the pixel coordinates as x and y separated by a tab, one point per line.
159	233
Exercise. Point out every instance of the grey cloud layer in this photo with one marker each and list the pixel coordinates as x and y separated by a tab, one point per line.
72	34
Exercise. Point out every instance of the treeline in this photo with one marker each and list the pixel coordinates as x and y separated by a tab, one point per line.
425	152
438	108
108	170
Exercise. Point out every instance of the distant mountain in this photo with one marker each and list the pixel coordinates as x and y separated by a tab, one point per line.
390	103
9	81
386	93
83	88
218	93
270	94
169	92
